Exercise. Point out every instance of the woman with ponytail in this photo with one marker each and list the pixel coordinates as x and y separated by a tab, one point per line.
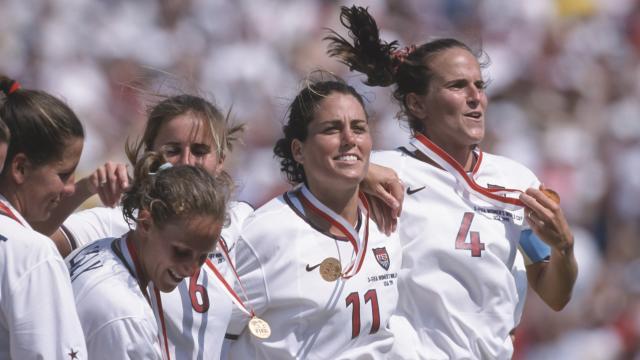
38	318
467	213
178	212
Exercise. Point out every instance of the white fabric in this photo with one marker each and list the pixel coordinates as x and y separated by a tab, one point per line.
309	317
117	320
38	318
458	306
192	335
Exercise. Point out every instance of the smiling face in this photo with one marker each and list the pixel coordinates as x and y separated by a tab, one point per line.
336	150
453	107
187	140
177	249
41	187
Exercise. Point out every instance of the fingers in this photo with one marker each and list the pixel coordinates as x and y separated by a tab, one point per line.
110	181
546	219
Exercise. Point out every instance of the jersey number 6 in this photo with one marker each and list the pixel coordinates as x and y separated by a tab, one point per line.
354	300
200	304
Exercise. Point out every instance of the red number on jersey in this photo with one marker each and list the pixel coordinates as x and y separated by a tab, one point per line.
200	304
475	245
369	297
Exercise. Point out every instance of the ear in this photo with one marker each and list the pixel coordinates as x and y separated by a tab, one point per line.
145	221
416	106
296	150
19	168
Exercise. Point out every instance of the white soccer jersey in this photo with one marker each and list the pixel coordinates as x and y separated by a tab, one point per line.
38	318
278	257
117	320
462	283
197	311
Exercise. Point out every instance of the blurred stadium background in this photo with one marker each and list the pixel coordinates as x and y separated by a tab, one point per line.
564	100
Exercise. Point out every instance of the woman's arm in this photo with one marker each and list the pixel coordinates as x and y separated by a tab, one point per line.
553	280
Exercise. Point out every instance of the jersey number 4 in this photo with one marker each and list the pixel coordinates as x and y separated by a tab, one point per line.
474	245
354	300
198	294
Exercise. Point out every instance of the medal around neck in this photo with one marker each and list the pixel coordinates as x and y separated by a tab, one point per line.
259	328
330	269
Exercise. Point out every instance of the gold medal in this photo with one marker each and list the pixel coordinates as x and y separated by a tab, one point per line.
259	328
330	269
551	195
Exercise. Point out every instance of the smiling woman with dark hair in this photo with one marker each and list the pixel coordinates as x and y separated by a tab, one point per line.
312	266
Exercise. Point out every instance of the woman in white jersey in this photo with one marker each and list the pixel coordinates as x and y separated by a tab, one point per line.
179	213
188	130
311	265
466	212
38	318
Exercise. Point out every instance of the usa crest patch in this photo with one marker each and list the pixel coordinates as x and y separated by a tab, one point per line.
382	257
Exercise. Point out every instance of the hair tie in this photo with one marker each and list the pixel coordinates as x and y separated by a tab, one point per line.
399	56
14	87
162	167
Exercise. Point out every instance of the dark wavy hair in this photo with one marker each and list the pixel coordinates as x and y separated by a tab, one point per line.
39	123
301	113
385	64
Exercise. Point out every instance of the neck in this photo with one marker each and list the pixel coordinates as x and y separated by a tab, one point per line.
463	155
13	195
134	237
342	202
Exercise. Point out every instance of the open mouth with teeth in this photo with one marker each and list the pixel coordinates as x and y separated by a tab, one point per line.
347	157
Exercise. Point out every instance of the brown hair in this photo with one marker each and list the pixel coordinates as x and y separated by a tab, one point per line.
384	63
39	123
175	192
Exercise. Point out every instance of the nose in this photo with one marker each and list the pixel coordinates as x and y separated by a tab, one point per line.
69	187
348	137
185	157
473	97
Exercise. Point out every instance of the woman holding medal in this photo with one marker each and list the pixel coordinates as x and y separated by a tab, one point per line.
38	318
320	281
179	213
466	212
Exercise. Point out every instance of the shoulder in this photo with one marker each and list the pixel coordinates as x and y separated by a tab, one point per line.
24	248
238	212
273	209
507	171
98	275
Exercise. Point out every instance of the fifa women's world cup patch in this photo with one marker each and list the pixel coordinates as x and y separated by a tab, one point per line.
382	256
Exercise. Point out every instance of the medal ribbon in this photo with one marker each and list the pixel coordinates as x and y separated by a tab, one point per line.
133	254
341	223
5	210
228	289
497	197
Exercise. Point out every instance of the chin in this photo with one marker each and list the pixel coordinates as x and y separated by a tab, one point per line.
166	288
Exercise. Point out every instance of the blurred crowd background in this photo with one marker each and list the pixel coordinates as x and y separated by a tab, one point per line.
564	100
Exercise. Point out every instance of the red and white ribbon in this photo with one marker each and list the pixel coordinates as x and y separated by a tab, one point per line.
225	286
359	246
131	256
503	198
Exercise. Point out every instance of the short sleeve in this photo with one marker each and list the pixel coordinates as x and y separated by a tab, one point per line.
252	279
89	225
